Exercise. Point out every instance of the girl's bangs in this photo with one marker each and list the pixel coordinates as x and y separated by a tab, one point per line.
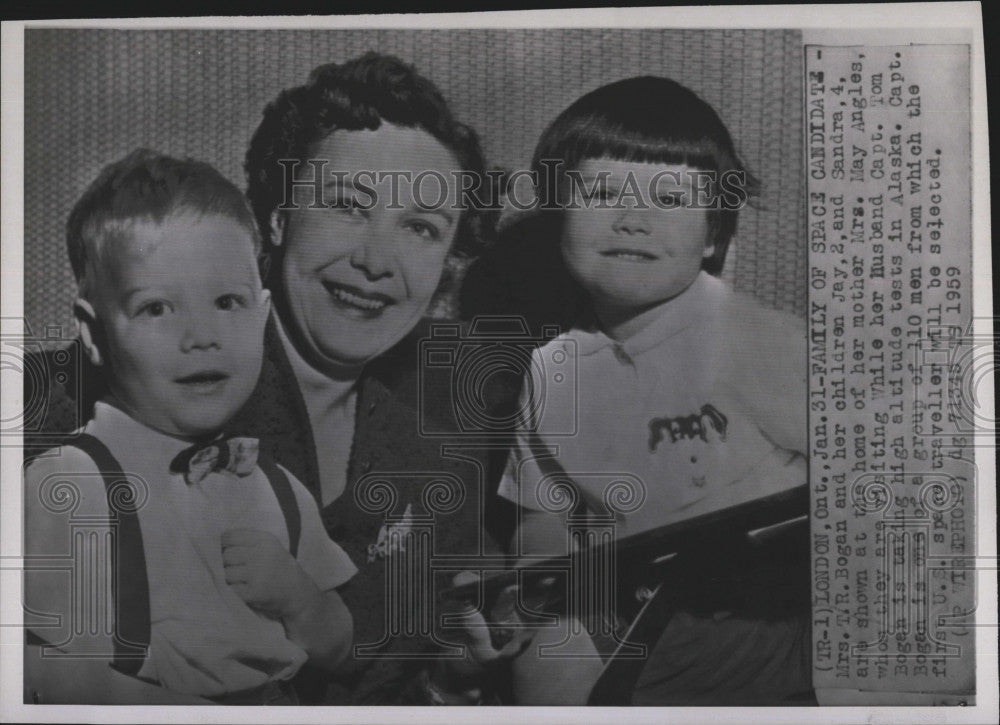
631	146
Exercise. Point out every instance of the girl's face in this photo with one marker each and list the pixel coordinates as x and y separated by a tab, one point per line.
359	272
633	253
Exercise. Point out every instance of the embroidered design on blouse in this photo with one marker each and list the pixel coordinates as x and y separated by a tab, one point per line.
392	537
708	424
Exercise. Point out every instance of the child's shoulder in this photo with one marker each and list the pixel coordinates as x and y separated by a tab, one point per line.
742	316
67	459
64	480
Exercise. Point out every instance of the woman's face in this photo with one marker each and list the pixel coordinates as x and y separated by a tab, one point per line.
359	271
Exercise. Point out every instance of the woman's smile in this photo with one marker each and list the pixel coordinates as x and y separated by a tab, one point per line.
354	300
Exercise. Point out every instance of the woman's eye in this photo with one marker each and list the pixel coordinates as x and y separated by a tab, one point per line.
425	230
230	302
349	207
156	308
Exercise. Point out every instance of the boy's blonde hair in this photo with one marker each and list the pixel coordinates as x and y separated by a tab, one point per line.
147	187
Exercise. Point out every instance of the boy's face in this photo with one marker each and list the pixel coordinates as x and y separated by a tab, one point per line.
358	274
182	313
639	255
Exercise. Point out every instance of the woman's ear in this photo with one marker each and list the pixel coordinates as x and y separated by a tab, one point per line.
89	330
277	225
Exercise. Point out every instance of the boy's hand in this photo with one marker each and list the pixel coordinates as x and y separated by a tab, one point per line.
265	575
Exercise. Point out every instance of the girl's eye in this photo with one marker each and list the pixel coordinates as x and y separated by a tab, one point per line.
602	195
424	230
156	308
672	200
230	302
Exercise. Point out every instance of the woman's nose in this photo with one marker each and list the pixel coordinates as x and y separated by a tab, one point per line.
373	255
200	333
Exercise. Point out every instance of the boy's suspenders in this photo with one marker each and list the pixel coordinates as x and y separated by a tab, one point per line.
286	499
129	583
129	580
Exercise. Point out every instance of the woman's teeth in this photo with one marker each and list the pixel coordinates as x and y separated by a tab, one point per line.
352	299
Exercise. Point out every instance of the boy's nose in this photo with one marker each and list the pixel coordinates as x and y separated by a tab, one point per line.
200	333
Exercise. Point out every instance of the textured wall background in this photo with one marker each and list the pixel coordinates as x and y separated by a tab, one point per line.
93	95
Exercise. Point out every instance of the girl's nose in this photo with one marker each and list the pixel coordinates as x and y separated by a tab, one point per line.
631	221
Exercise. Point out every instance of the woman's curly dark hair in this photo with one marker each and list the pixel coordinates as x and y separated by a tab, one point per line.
356	95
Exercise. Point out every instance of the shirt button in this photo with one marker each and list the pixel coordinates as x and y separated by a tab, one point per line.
694	459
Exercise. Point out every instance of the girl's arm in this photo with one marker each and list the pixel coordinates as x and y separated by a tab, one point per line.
768	371
539	534
539	677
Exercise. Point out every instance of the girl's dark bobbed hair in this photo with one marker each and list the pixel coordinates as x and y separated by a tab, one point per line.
648	119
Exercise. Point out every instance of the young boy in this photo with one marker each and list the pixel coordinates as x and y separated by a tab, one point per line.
218	565
689	398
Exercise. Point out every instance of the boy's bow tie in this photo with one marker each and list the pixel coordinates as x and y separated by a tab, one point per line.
236	455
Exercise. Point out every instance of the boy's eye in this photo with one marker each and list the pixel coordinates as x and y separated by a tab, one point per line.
230	302
155	308
424	229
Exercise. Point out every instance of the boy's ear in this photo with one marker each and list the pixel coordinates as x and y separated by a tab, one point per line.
87	320
277	228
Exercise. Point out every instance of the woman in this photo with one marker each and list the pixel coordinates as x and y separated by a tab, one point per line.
353	263
357	247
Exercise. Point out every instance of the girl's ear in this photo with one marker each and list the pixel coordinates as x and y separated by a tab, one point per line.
89	332
277	228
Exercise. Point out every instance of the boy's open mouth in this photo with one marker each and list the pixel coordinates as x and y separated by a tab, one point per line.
357	301
629	255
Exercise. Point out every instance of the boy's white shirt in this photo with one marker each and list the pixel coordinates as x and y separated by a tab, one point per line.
204	639
710	346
